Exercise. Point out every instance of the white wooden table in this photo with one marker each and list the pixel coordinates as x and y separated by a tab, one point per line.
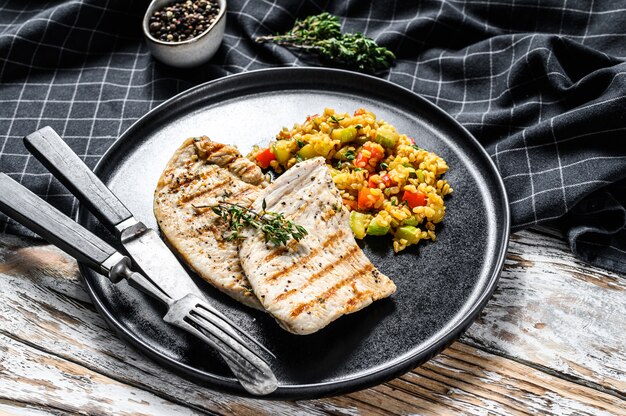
552	340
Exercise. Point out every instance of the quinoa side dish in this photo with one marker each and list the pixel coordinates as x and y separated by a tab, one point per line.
388	183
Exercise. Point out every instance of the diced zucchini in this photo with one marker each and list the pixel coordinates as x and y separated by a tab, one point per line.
323	147
410	221
376	228
344	135
357	224
384	141
386	136
408	233
345	153
281	149
307	152
414	173
334	172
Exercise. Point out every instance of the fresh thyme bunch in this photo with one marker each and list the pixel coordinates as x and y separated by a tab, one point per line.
321	34
274	226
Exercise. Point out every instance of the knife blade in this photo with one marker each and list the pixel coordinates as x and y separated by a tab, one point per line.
155	259
143	244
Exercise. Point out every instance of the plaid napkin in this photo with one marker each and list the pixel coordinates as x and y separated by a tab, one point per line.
542	86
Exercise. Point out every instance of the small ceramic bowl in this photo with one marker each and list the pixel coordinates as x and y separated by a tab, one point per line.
191	52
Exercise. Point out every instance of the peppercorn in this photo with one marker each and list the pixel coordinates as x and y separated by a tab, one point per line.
183	20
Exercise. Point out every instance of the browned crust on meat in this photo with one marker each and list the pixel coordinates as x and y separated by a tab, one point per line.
228	157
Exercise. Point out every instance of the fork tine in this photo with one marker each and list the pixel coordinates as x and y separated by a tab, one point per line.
202	309
217	313
253	373
226	336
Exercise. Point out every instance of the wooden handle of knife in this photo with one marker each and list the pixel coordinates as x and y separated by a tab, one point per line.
46	145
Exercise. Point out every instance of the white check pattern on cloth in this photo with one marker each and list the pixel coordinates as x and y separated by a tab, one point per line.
541	86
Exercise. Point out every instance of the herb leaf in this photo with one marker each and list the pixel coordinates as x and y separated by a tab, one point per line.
335	120
276	228
321	34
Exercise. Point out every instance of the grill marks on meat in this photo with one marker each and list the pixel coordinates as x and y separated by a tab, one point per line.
308	284
305	285
299	262
197	175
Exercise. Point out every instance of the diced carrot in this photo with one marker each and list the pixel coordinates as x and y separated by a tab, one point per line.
367	199
264	157
414	199
376	180
376	151
369	162
361	161
350	203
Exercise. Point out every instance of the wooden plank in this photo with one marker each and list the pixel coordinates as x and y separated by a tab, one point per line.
33	377
465	380
45	314
557	313
42	263
463	377
15	408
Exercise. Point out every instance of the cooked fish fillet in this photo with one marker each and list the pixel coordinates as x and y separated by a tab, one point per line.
308	284
197	175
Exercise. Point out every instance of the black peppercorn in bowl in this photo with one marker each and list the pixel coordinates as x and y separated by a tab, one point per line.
184	34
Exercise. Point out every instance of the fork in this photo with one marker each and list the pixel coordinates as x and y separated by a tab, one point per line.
199	318
190	312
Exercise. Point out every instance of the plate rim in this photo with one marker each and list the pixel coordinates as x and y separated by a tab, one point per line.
366	378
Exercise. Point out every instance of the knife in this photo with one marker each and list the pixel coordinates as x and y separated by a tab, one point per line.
190	312
143	244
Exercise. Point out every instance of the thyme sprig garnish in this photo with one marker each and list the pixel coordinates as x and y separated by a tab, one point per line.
275	227
321	34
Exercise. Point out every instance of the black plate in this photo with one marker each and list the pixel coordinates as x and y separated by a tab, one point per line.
442	286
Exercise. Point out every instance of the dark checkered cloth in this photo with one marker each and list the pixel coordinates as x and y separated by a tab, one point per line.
541	84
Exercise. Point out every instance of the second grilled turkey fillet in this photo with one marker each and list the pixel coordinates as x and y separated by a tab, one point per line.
308	284
198	175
